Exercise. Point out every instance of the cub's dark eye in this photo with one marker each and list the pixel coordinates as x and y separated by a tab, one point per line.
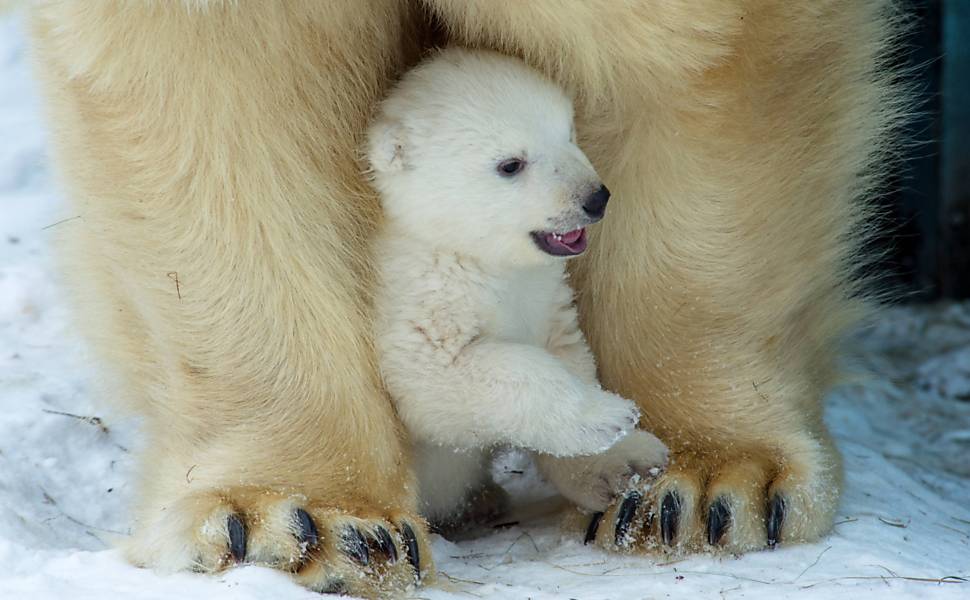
510	167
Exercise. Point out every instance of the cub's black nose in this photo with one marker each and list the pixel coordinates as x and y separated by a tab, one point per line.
595	205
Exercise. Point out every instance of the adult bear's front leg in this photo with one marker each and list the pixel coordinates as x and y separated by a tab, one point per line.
738	139
221	261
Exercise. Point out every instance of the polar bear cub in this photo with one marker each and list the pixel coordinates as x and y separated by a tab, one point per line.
485	194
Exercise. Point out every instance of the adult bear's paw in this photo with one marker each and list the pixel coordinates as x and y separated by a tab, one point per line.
726	501
369	553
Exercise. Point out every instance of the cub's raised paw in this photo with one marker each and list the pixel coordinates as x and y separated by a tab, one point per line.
365	553
592	428
592	482
723	502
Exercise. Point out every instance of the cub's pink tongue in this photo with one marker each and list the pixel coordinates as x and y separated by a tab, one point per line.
570	243
571	237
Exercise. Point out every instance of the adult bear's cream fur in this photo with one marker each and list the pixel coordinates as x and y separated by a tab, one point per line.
216	141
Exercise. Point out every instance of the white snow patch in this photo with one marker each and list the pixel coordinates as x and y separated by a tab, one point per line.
65	480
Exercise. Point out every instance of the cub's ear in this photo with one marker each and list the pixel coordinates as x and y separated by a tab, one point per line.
386	147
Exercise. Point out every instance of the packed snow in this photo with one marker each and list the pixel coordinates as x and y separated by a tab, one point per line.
66	464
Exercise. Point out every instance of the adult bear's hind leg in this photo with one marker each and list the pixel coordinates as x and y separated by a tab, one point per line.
222	264
738	138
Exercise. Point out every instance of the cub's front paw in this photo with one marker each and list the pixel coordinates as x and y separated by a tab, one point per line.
592	482
606	419
589	425
367	553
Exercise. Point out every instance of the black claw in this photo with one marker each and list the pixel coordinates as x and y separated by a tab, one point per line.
624	516
306	529
776	516
669	517
718	520
385	544
237	538
411	546
355	545
594	525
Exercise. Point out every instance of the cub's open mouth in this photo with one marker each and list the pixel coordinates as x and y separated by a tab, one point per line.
569	243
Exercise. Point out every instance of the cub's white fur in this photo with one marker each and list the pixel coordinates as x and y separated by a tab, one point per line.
477	335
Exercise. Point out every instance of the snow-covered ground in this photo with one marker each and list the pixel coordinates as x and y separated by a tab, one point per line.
903	529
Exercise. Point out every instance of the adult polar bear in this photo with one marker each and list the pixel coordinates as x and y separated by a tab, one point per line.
222	267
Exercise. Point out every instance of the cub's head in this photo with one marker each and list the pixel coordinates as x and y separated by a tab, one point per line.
476	152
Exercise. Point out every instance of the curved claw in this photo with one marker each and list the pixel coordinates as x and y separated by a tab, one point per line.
669	517
592	528
411	546
776	517
624	516
355	545
385	544
718	520
306	529
237	538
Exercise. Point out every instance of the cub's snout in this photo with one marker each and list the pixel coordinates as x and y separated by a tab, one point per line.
595	204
